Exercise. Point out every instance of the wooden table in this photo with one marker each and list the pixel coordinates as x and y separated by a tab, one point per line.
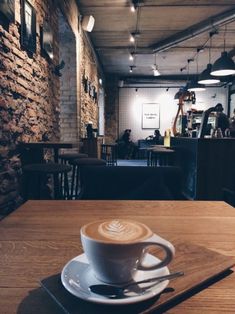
35	149
41	236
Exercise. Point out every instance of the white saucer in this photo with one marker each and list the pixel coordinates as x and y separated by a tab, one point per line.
77	276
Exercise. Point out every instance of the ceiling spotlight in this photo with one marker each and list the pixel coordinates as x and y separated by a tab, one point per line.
133	7
100	81
155	69
200	50
131	56
132	38
131	68
156	72
88	23
135	4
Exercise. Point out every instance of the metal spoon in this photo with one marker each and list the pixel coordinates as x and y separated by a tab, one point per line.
112	290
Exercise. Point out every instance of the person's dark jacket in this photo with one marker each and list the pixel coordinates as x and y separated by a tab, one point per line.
223	122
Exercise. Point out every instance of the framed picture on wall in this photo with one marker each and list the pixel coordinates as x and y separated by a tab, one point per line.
47	40
151	116
7	9
28	26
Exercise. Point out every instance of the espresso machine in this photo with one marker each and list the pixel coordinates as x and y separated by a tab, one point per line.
205	127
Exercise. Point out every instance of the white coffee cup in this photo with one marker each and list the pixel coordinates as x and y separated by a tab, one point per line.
115	249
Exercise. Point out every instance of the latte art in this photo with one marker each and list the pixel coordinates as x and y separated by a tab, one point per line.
120	230
117	231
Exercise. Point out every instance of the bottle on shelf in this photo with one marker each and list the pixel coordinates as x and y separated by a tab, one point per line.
167	138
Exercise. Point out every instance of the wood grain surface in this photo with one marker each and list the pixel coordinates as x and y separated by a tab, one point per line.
41	236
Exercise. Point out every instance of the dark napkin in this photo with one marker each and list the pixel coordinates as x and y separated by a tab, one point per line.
201	266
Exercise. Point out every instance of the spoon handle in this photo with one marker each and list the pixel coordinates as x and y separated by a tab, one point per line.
159	278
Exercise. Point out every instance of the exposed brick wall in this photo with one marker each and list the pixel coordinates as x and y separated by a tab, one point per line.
29	99
111	109
89	108
30	92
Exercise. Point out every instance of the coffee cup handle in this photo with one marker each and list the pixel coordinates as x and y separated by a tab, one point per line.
164	244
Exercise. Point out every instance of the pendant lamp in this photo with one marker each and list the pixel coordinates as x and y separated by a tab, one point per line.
195	87
205	77
224	65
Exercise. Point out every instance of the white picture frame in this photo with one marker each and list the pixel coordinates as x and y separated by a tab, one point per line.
150	116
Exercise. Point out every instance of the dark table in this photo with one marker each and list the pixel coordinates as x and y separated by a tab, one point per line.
33	151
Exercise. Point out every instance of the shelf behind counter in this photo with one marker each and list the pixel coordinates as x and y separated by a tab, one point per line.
207	164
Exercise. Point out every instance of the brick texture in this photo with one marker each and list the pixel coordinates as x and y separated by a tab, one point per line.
30	102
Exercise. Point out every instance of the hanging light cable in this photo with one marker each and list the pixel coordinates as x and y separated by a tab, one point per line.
205	77
133	38
224	65
193	85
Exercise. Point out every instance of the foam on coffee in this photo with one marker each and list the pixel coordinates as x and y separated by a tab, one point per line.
117	230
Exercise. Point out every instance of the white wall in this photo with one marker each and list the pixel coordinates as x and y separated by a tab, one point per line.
131	100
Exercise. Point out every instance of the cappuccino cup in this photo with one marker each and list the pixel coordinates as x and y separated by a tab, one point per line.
115	249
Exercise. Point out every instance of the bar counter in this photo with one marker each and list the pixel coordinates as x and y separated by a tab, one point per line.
207	164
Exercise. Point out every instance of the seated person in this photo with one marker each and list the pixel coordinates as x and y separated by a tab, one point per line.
129	149
156	138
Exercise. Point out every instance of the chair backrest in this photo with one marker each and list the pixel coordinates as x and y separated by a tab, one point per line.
109	153
130	183
30	155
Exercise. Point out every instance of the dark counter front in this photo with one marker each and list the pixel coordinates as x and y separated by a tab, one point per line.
207	164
